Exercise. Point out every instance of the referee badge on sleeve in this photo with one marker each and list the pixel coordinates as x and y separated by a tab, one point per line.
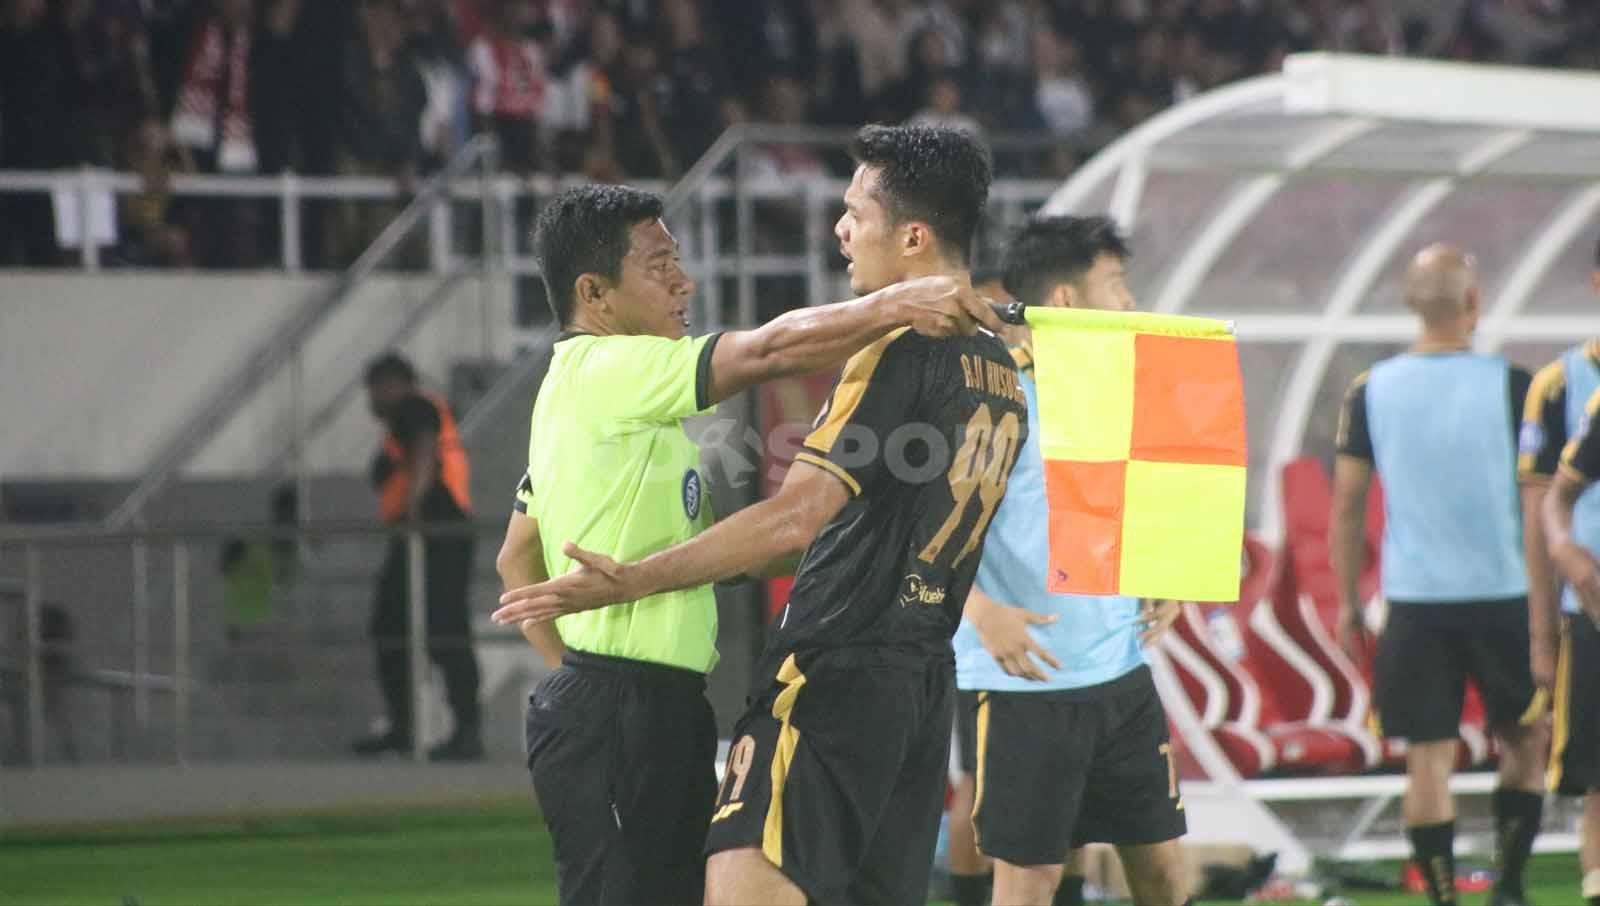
692	493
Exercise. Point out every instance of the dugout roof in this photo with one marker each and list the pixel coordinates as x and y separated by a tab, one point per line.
1291	202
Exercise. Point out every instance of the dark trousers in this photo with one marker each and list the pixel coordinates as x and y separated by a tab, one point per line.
623	755
448	562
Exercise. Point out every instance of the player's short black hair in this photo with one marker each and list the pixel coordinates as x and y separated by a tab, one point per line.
935	175
390	365
584	230
1047	251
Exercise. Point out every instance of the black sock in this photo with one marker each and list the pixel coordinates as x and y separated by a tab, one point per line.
1516	822
1433	848
971	890
1070	892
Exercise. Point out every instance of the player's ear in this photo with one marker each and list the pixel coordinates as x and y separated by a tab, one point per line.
915	237
1065	295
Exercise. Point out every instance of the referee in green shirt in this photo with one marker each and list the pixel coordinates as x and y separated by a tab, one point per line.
621	740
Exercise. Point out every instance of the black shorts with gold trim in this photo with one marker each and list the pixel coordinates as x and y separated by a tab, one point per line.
1575	747
1059	769
1428	650
837	774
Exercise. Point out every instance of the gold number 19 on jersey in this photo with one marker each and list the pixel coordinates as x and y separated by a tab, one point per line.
981	466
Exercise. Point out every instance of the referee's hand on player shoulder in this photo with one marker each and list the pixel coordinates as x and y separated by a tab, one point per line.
598	581
942	306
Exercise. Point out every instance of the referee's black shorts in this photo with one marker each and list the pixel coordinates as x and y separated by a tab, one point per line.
623	754
1575	746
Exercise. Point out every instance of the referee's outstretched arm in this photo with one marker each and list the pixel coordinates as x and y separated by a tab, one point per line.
808	340
782	525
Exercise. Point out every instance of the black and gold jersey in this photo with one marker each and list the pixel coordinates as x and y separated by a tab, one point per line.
923	433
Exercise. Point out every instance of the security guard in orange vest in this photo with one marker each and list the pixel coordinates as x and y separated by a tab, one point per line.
421	474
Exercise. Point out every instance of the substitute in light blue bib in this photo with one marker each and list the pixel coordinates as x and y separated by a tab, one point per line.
1096	639
1441	439
1583	379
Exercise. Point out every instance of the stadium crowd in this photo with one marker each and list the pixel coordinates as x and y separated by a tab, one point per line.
623	89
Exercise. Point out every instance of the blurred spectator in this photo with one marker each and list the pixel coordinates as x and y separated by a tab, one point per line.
839	92
434	47
945	107
1061	94
784	102
212	119
692	94
641	143
579	108
110	68
151	233
380	121
763	37
508	64
873	26
930	58
35	133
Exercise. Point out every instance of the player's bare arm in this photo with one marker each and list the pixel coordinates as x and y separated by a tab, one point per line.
1347	545
783	525
1003	630
1544	599
520	563
808	340
1572	560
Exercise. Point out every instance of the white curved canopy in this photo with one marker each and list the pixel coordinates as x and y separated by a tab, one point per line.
1290	203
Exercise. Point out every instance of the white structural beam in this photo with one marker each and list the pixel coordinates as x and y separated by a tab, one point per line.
1459	94
1243	204
1540	256
1245	93
1352	286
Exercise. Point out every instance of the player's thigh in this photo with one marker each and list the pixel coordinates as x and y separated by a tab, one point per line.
1033	761
1132	796
895	869
738	877
1575	743
1420	673
814	761
1498	652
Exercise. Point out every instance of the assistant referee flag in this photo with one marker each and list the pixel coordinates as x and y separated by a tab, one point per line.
1142	430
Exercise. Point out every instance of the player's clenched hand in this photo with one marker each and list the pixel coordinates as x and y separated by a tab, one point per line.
1003	630
1156	617
944	307
597	582
1582	572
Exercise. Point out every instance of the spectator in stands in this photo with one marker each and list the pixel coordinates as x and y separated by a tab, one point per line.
421	475
110	66
34	126
151	233
213	119
945	108
839	95
508	63
763	38
641	141
383	98
436	52
930	58
1062	98
692	96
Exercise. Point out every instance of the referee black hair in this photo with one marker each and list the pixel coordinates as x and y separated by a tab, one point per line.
1048	251
938	176
584	230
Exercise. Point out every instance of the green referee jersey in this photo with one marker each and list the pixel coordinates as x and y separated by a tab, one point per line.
611	470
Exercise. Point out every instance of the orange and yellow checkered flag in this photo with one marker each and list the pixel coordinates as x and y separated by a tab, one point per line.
1142	430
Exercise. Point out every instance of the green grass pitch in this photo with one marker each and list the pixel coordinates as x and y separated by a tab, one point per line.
482	854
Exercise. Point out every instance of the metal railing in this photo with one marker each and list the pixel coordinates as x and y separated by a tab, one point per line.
179	543
283	348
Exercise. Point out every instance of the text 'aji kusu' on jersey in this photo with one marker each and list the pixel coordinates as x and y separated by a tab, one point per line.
923	433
